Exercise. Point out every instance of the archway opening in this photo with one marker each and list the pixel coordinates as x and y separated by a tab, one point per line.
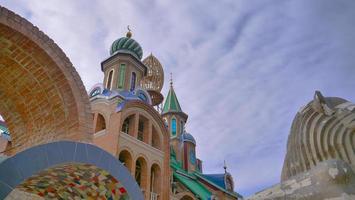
41	94
141	173
100	123
155	182
126	158
128	125
5	138
186	197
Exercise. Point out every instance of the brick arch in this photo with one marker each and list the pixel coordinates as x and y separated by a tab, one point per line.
187	197
126	156
42	97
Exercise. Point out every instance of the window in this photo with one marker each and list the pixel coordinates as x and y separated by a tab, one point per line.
142	97
100	123
173	127
181	127
95	92
109	80
133	81
121	79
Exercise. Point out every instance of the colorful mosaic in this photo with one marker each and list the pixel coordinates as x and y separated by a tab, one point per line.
75	182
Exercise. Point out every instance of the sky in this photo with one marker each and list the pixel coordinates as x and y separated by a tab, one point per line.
241	69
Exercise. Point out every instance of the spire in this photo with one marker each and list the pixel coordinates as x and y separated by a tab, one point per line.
171	102
225	166
171	79
129	33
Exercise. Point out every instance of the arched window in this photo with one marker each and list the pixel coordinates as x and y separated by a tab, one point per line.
109	80
100	123
126	158
155	181
138	172
133	81
141	173
173	127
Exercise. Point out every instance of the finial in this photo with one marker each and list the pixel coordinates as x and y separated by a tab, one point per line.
225	166
129	33
171	79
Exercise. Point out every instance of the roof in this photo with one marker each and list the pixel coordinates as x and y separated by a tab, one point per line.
99	92
193	185
191	180
218	179
171	103
187	137
127	45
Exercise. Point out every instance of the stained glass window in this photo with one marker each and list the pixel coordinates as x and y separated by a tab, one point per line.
192	157
173	127
122	76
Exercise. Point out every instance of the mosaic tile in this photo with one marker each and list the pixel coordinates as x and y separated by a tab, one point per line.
75	182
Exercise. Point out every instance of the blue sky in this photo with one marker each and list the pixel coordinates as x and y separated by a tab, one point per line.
242	69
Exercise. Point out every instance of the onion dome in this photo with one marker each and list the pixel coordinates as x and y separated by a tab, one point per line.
187	137
154	80
127	45
155	75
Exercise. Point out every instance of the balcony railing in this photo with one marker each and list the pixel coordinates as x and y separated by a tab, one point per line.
153	196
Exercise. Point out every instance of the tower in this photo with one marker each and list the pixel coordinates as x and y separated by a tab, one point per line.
123	70
182	143
173	115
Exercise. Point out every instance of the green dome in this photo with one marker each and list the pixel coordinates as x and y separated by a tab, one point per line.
127	45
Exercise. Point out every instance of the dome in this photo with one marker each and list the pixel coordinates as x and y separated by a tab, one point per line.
155	75
187	137
127	45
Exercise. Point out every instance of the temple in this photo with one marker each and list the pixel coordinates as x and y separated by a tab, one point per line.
125	140
119	140
148	135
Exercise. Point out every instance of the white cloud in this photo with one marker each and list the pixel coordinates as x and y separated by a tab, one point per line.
241	69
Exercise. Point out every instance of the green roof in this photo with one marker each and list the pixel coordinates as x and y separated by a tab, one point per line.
171	103
127	45
193	185
189	180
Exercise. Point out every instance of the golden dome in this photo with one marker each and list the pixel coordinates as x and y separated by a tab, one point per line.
154	79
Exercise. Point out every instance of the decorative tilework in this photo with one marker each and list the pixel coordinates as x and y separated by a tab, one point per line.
73	182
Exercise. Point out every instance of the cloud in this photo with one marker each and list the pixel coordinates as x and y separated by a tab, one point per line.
241	69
